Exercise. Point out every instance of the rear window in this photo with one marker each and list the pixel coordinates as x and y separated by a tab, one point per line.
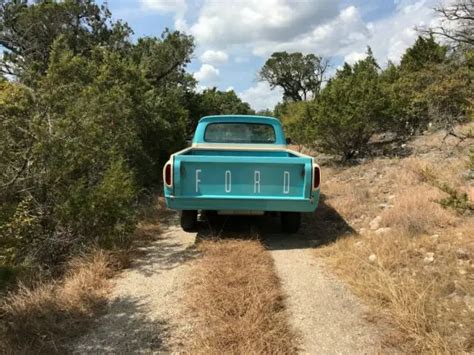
239	133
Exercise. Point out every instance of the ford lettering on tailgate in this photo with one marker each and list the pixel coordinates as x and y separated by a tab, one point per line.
242	180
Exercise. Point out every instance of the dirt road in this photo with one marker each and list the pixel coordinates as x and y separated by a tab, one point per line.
145	313
327	316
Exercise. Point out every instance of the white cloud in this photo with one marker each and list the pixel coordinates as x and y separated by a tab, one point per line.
214	57
178	6
207	73
246	28
354	57
261	97
326	39
225	23
348	35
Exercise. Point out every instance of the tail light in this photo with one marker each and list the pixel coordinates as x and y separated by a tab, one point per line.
316	177
168	174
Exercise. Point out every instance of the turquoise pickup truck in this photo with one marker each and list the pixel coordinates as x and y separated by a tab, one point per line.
241	165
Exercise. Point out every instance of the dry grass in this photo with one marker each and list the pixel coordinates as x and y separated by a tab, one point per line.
347	198
40	319
43	315
426	303
416	211
420	275
236	296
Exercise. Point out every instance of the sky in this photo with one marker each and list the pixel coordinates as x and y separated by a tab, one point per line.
235	37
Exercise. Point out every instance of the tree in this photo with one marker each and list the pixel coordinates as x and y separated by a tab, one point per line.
27	32
350	109
85	127
431	87
424	52
214	102
297	118
457	23
300	76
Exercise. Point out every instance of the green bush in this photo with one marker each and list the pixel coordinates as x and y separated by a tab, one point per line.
350	109
84	128
297	118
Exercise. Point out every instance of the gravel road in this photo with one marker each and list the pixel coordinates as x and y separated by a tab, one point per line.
328	317
144	314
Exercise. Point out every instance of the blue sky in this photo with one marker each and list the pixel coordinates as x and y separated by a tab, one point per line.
234	38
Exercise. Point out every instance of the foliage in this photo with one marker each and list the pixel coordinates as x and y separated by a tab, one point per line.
350	109
28	32
214	102
300	76
85	127
471	162
296	118
430	88
457	200
425	52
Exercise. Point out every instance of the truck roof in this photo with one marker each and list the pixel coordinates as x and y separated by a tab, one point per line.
240	118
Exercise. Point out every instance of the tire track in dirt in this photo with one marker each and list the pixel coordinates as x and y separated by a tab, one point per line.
327	316
145	313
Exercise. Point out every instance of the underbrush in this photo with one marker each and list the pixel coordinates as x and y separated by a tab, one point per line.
422	286
412	256
41	317
43	310
237	298
416	211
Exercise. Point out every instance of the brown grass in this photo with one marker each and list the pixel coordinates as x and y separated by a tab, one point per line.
427	304
41	318
416	211
237	299
422	279
44	313
347	198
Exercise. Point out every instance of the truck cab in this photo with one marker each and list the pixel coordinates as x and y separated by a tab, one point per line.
240	164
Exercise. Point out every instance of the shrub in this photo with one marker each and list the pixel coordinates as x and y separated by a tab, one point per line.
350	109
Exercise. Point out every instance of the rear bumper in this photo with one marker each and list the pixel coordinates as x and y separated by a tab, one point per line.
243	204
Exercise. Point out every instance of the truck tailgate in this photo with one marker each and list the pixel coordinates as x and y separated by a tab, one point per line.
242	177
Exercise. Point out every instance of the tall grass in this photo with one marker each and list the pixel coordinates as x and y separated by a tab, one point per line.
42	318
236	297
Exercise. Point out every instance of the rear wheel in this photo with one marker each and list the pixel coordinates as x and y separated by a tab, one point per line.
188	220
290	221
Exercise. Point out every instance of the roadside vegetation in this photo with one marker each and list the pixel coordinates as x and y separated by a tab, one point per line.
236	298
41	318
87	118
411	256
395	141
44	313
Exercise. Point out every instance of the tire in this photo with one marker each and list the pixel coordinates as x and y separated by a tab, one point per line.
188	220
290	221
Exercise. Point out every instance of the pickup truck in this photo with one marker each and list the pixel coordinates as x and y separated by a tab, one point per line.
239	164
